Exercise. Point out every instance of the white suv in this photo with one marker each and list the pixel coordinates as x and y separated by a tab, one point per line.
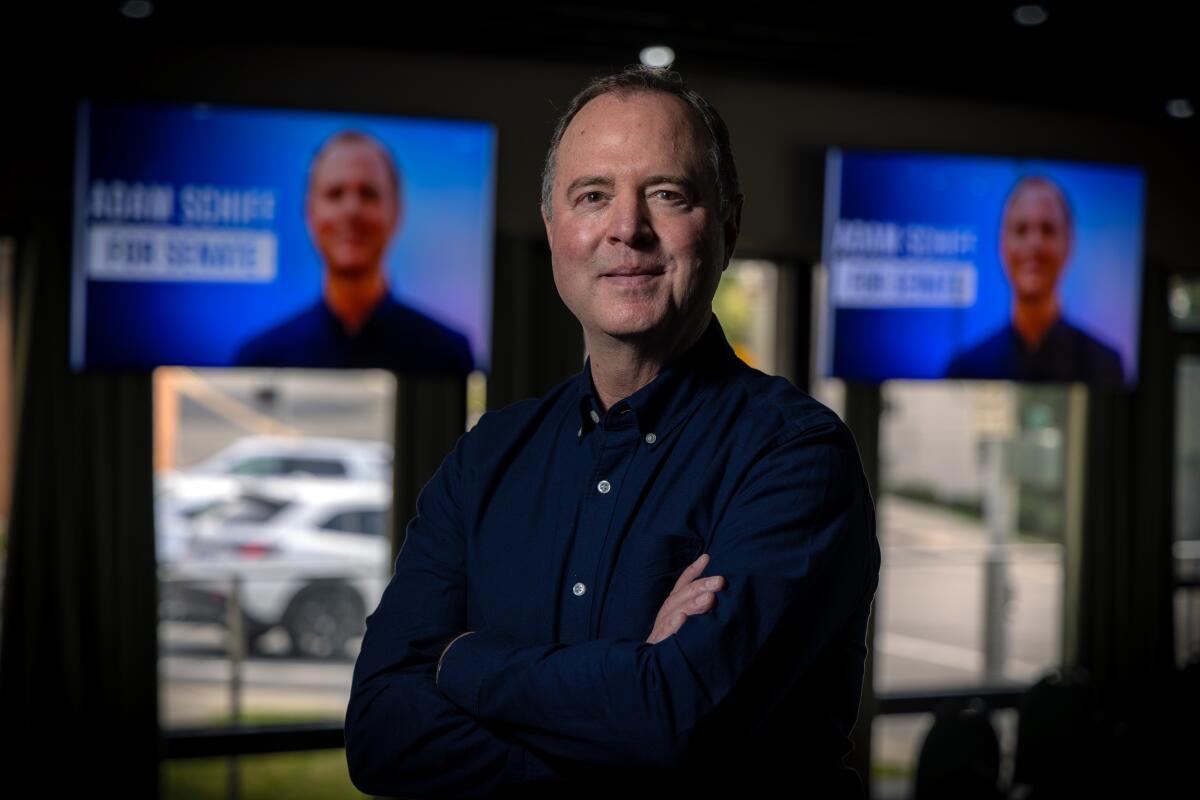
350	459
181	495
313	556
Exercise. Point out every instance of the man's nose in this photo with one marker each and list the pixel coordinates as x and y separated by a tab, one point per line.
629	221
352	202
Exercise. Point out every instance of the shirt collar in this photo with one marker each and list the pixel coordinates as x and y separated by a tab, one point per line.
663	402
1056	331
381	309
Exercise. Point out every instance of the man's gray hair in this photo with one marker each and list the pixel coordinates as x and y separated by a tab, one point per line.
638	79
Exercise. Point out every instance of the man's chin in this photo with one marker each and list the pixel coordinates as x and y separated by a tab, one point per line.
648	333
1034	292
352	269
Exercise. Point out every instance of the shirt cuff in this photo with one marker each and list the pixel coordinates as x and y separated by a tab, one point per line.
468	663
438	670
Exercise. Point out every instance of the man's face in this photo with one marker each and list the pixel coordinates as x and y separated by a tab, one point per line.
352	208
635	235
1035	242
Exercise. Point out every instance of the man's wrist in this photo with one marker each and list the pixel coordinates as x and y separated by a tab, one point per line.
445	650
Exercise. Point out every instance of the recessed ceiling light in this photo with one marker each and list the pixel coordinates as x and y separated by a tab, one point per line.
1029	15
137	9
657	56
1180	108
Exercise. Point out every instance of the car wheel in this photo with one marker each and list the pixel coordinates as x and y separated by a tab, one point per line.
322	618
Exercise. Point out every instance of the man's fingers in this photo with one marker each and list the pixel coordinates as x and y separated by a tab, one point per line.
694	598
691	595
692	570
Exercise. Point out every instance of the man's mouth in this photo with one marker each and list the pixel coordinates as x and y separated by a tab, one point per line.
633	276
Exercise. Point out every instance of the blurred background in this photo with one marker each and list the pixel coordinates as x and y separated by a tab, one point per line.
190	551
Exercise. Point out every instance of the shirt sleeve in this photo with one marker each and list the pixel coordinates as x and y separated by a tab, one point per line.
797	547
403	736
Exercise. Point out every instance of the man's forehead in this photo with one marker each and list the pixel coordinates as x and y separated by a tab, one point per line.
641	113
611	121
1036	195
351	152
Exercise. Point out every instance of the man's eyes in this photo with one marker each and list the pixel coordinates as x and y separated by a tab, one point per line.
367	194
668	195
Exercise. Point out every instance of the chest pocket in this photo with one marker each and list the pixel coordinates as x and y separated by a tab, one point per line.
644	575
656	556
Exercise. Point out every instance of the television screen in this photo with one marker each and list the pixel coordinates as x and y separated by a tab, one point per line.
221	236
966	267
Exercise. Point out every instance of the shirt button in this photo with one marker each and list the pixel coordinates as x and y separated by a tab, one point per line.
604	487
578	589
651	438
594	415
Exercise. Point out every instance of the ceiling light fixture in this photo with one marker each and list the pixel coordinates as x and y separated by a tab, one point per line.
1029	16
137	9
657	56
1180	108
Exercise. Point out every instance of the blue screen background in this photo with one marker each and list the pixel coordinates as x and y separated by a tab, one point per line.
439	261
1100	290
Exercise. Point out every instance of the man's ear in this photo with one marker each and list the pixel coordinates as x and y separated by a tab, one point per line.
732	227
546	222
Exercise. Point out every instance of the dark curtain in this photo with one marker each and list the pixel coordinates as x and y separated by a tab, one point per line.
78	686
864	407
430	416
537	342
1126	628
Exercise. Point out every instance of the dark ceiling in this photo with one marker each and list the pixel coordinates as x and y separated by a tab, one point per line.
1125	61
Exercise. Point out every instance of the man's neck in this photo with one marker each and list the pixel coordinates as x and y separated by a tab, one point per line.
1032	320
352	298
622	366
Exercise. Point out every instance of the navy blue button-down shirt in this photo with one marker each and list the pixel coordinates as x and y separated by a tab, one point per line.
1066	353
394	336
555	532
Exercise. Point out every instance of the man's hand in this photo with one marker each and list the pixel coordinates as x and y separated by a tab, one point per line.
691	595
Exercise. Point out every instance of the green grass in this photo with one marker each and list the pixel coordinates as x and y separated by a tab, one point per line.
268	716
887	769
316	775
313	775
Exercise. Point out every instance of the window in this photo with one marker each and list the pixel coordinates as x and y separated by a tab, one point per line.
745	306
272	497
1187	509
365	522
972	521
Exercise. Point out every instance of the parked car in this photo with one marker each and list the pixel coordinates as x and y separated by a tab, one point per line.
313	556
320	457
184	494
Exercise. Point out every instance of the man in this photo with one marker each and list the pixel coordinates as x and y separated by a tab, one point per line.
352	209
1038	344
659	574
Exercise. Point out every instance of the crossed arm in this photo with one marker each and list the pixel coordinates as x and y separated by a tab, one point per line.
795	555
691	594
